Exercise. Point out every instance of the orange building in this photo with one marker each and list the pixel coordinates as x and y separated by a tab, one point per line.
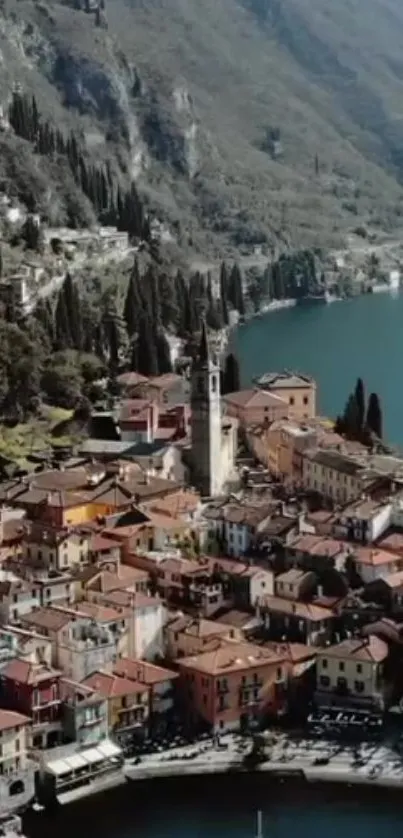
298	391
233	686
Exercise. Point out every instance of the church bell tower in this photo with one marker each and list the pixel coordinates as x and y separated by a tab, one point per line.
206	420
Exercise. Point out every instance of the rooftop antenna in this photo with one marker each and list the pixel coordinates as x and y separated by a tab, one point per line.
259	824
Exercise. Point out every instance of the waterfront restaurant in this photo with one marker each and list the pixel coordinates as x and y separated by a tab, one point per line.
64	780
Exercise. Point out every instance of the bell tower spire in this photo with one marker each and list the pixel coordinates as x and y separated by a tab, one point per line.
206	419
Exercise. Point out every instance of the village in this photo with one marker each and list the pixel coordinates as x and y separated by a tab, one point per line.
202	565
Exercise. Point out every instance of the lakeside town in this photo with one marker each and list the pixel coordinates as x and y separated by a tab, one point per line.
230	568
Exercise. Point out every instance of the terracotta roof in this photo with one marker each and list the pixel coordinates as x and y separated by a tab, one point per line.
113	686
254	398
48	619
393	541
292	576
100	613
236	619
9	719
131	379
24	672
231	657
303	610
105	581
394	580
317	545
372	556
197	627
127	599
143	672
99	544
177	504
371	649
293	652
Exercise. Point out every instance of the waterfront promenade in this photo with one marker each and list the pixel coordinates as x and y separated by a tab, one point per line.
365	764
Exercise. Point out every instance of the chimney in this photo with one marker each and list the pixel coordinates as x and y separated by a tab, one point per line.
320	591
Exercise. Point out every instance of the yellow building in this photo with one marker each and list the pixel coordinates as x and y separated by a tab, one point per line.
128	704
335	475
14	742
352	672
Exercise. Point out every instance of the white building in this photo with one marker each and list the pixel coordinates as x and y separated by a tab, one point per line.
148	626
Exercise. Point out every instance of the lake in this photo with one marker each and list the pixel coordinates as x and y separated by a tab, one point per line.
335	343
226	807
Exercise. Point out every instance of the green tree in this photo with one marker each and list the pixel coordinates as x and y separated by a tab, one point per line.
351	418
231	377
147	350
359	395
163	353
224	293
374	415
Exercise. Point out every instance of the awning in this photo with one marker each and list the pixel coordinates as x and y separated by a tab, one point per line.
109	749
58	767
93	755
76	761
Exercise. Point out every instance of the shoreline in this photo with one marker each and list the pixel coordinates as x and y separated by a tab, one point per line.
309	762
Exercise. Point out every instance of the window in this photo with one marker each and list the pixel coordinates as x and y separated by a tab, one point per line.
324	663
324	680
341	666
359	686
305	400
292	400
359	667
214	384
17	744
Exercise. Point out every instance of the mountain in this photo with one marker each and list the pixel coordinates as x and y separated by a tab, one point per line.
241	121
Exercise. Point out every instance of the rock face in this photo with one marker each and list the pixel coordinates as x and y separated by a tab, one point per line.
245	121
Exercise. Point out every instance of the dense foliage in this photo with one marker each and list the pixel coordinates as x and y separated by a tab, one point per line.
71	349
360	422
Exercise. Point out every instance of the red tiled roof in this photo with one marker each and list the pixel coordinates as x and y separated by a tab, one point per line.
143	672
111	685
9	719
24	672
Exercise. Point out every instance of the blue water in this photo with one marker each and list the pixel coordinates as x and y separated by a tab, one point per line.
335	343
217	807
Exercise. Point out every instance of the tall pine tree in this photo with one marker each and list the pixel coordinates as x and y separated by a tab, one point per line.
360	400
374	415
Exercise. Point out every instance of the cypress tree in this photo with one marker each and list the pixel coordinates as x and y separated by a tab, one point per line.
147	350
73	309
235	291
374	415
351	418
360	399
163	353
130	308
62	330
224	293
231	378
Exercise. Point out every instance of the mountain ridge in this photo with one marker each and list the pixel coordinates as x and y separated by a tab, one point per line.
183	100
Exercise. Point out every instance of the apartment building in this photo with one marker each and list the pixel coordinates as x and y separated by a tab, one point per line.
352	673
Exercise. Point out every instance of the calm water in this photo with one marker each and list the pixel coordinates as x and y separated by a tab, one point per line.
335	343
208	808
